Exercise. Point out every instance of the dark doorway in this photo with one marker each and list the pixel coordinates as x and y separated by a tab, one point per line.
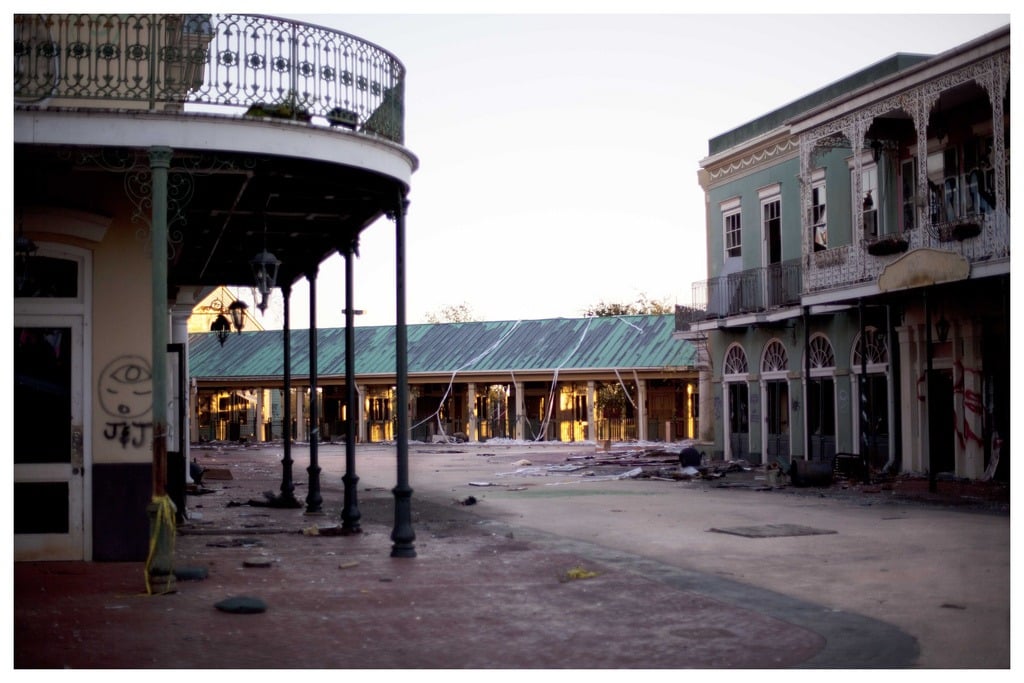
941	422
739	421
776	412
876	431
821	418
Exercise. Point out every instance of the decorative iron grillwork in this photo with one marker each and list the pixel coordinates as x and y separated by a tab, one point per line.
241	62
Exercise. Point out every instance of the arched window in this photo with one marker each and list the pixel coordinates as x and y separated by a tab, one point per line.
775	358
876	349
821	354
735	361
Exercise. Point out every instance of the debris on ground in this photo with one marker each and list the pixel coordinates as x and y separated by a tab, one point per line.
315	530
565	468
257	563
242	605
236	543
632	474
196	471
690	457
577	573
468	500
191	573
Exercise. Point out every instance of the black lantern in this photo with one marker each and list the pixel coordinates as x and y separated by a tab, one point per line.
876	150
264	271
237	310
222	327
942	329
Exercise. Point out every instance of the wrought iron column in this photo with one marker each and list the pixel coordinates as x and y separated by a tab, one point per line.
932	482
350	514
159	162
862	392
806	315
161	520
402	535
314	501
287	497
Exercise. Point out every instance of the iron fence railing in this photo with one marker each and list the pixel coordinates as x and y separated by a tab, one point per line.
248	64
978	238
749	291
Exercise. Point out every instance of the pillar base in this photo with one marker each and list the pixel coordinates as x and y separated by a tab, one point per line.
403	534
160	562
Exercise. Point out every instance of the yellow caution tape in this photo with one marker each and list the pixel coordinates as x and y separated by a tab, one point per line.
165	519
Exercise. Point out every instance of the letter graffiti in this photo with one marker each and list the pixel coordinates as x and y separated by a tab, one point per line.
122	431
126	393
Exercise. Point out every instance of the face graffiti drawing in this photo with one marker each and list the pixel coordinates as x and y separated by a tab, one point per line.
125	387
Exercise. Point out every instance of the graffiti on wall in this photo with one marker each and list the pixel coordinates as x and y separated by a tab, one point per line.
126	396
972	404
970	400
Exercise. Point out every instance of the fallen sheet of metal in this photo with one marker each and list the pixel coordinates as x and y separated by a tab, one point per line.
773	531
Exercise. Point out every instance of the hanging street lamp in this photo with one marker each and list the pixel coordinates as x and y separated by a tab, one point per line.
237	310
264	271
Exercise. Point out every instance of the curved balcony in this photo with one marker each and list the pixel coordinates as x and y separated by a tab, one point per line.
283	135
248	65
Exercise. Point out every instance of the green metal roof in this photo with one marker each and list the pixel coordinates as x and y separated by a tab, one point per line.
562	344
777	117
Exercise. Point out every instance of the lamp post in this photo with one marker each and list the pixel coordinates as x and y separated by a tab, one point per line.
314	501
287	498
350	514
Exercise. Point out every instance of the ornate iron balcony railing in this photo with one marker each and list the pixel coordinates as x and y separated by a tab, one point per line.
750	291
247	64
978	238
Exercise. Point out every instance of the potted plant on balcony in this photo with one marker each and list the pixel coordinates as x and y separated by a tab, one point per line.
888	244
282	110
279	111
965	230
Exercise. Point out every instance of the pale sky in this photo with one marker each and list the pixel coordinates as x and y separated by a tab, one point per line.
559	152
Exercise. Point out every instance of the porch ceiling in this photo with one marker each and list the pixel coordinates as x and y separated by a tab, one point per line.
222	207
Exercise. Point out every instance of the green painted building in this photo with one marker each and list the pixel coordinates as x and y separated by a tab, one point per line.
858	260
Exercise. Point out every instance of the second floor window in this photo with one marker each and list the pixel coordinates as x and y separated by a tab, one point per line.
819	216
961	181
772	218
869	201
731	225
908	185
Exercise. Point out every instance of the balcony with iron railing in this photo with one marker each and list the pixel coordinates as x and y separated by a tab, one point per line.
245	65
748	292
978	238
